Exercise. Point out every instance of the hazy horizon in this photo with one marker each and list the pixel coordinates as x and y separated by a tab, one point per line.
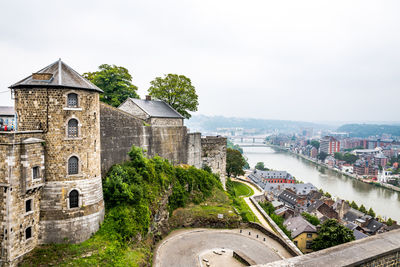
312	61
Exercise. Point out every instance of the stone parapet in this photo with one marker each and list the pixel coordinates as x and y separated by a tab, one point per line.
73	230
379	250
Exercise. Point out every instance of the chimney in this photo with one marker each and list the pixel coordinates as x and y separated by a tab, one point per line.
148	97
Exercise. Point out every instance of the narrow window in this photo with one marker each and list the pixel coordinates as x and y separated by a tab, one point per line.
72	100
35	172
309	235
72	128
74	199
28	232
308	245
73	165
28	205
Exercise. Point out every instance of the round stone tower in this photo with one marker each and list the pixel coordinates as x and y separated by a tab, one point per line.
65	106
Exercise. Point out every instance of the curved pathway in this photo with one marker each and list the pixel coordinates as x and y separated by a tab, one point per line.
251	205
184	248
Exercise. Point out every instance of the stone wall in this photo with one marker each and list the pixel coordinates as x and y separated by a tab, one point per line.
166	122
119	132
49	107
213	153
194	149
19	153
378	250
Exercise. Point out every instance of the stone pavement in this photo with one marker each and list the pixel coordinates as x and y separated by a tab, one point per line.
184	247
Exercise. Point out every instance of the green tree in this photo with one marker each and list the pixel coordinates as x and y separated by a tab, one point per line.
322	155
328	195
177	91
315	144
310	218
362	209
350	158
260	166
389	222
354	205
371	213
338	156
229	144
116	83
234	162
332	234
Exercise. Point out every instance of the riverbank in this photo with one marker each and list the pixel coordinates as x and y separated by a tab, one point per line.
321	164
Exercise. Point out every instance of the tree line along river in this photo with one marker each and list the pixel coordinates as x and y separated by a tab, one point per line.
384	202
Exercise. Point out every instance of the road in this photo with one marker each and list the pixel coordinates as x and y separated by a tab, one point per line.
252	207
184	247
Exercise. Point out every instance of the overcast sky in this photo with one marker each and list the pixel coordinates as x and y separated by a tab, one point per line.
295	60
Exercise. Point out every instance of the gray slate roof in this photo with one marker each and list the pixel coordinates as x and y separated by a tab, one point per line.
157	108
63	76
374	226
300	189
359	235
288	197
7	111
352	215
298	225
314	206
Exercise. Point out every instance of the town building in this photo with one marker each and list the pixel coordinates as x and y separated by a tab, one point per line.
302	232
7	118
153	112
275	177
329	145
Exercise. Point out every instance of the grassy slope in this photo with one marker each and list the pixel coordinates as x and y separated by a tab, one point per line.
242	190
237	191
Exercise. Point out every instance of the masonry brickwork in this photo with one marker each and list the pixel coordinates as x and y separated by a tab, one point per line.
120	130
51	167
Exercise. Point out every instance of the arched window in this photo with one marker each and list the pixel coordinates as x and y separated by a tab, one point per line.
74	199
73	167
72	128
72	100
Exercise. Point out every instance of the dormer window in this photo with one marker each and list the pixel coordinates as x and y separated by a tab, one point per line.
72	100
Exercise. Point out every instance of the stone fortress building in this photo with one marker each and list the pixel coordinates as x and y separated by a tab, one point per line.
65	140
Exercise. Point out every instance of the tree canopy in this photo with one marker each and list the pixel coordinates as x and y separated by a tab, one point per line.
260	166
177	91
235	162
349	158
322	155
115	81
332	233
315	144
371	212
310	218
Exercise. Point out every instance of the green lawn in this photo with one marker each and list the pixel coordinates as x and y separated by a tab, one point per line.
242	190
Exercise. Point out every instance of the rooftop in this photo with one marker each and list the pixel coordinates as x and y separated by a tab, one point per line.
156	108
298	225
57	74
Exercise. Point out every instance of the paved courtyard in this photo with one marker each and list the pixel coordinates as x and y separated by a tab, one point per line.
189	247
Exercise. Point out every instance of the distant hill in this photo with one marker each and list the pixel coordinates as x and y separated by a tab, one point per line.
211	123
365	130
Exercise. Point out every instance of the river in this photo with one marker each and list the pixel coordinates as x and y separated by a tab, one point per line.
383	201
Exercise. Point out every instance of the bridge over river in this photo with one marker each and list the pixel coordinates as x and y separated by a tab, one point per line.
249	141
